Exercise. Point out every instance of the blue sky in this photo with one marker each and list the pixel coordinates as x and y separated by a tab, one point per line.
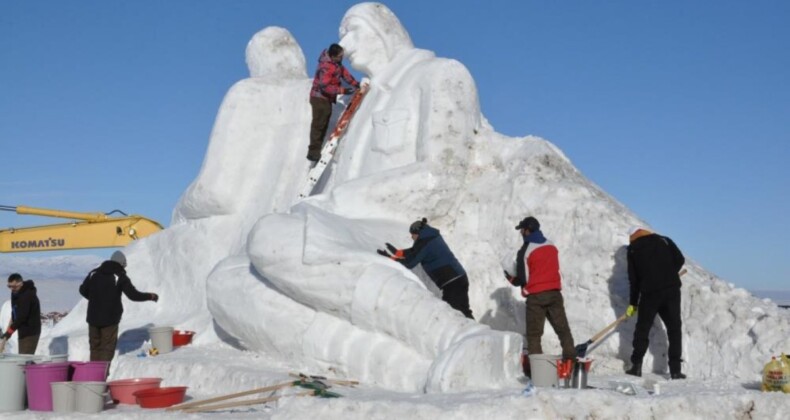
680	110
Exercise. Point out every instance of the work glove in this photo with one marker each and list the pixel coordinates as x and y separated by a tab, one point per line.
630	311
509	278
154	297
391	248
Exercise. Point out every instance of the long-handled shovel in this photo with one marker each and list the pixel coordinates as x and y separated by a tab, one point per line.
581	349
316	384
269	388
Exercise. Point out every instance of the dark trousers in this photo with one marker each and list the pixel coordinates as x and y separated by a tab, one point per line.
548	305
322	110
28	344
457	295
103	341
665	303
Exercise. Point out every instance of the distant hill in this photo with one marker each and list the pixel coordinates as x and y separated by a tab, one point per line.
780	297
56	267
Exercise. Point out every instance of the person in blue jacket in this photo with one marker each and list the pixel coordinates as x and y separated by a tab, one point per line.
430	250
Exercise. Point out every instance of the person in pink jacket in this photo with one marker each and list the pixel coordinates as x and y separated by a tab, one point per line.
327	84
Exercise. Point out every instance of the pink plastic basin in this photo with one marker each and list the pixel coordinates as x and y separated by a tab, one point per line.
161	397
122	391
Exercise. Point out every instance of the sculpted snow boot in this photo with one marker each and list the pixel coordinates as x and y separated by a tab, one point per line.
636	370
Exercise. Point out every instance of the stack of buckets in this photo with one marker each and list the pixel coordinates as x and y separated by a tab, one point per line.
85	393
46	380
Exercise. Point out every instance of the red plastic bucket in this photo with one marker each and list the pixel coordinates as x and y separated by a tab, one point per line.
89	371
39	377
182	338
122	391
161	397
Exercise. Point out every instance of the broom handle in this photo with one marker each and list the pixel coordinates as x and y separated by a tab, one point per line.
244	403
230	396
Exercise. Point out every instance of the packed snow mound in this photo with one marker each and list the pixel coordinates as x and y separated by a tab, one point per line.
245	263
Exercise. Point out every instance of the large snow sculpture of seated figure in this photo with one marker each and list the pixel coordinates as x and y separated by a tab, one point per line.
412	132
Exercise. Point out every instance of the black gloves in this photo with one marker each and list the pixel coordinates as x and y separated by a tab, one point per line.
350	90
5	336
383	253
391	248
154	297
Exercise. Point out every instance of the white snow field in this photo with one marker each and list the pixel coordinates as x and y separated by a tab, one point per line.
274	285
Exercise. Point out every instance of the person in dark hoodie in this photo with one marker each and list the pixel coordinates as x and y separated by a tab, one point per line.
103	287
430	250
326	86
537	272
654	263
25	314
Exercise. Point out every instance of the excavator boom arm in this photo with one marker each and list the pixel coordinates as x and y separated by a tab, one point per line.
90	230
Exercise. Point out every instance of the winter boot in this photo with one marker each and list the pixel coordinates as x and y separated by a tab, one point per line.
677	375
636	370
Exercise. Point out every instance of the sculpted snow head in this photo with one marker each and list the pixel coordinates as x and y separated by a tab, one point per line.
273	52
372	36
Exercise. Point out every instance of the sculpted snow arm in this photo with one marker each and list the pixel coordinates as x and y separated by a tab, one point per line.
449	112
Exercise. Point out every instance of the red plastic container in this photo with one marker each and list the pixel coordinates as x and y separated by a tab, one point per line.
161	397
122	391
182	338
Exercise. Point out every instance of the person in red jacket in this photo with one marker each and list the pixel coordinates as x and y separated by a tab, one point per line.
326	86
537	272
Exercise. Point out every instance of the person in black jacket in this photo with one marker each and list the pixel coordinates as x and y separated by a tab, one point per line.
103	287
654	262
430	250
25	314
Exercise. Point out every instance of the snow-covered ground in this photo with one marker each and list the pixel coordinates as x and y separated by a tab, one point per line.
273	284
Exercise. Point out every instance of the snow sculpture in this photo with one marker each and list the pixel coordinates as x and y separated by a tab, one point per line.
303	281
418	117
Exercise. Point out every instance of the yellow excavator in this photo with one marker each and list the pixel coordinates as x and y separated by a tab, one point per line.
85	230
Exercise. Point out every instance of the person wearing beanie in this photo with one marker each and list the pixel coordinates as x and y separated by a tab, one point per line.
103	287
654	263
430	250
536	270
25	315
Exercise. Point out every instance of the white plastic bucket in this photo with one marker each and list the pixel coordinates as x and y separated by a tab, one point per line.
162	338
90	396
51	358
12	385
544	370
63	396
